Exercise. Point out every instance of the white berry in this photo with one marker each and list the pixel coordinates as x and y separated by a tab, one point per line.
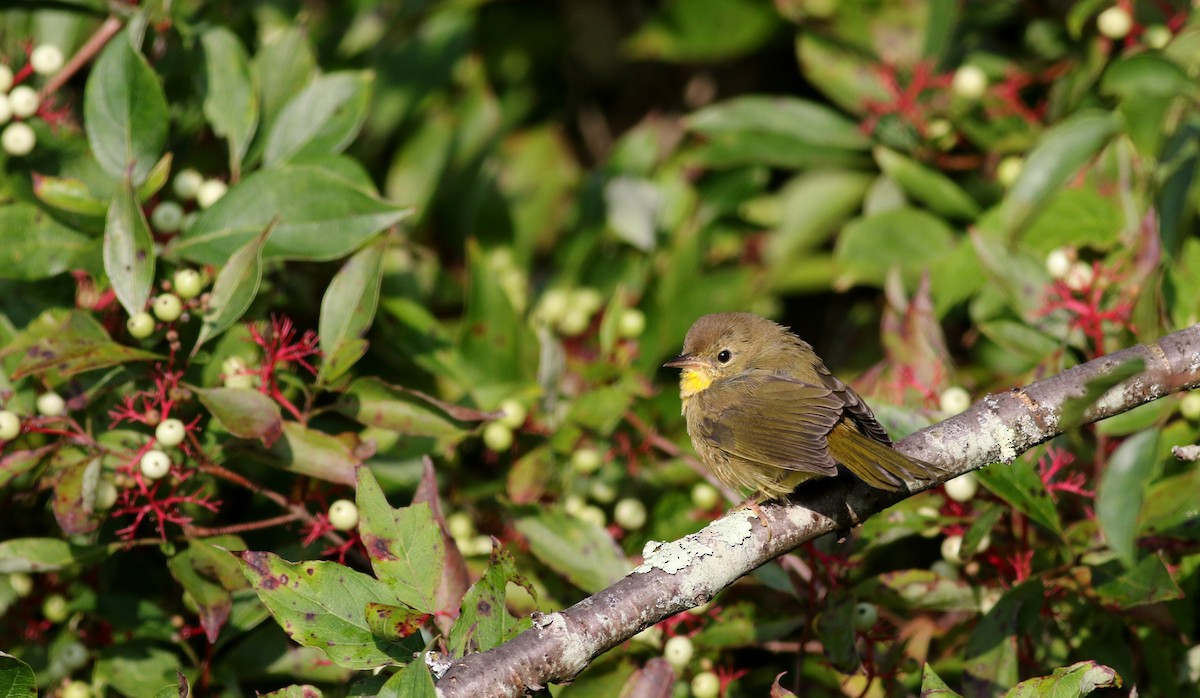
601	491
155	464
1058	263
1157	36
460	525
106	495
46	59
24	101
706	685
678	651
18	139
167	217
954	399
1008	169
170	432
497	436
963	487
952	550
55	609
632	323
77	689
1114	23
514	413
553	305
168	307
6	77
210	192
1189	407
187	184
51	404
969	82
630	514
140	326
865	616
586	460
1080	276
21	583
343	515
705	496
10	425
593	515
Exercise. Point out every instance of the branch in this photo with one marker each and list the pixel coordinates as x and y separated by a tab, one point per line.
688	572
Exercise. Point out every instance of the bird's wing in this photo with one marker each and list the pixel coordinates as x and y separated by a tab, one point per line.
771	420
856	409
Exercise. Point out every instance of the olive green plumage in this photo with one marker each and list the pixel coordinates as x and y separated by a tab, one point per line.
764	413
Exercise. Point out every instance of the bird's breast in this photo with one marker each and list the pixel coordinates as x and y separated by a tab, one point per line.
691	382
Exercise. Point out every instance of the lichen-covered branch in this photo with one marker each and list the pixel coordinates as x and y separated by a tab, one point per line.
690	571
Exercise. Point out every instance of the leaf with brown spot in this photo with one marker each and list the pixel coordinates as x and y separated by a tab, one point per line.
74	497
484	622
405	545
455	577
394	622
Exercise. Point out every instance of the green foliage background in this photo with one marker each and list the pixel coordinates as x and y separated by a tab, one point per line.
522	206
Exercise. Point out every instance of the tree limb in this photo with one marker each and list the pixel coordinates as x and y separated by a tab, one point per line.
688	572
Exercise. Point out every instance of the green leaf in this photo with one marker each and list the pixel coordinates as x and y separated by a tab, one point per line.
991	651
405	545
1147	582
394	622
1058	155
923	589
907	238
932	685
234	289
1018	484
125	111
323	605
986	518
70	195
1170	507
581	551
231	100
284	64
348	309
935	190
1074	408
137	667
46	554
323	118
213	601
812	206
1080	217
484	622
75	496
372	402
35	245
318	215
313	453
1079	679
16	678
245	413
62	356
835	630
294	691
779	132
847	77
494	339
128	250
413	681
1146	75
690	31
1119	497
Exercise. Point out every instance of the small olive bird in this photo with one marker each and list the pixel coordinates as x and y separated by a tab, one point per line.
765	414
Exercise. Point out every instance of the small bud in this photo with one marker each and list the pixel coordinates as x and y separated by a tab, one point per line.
46	59
343	515
1114	23
969	82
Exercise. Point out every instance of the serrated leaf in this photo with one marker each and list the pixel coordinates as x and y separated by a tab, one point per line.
1119	496
323	118
16	678
245	413
484	622
323	605
35	245
231	101
125	111
405	545
317	214
234	289
348	309
128	250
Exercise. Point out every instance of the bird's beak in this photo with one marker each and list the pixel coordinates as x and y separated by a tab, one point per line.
684	361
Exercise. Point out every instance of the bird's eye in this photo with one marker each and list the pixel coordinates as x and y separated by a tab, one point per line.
724	356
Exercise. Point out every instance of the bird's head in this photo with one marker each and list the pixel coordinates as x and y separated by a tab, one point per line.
723	345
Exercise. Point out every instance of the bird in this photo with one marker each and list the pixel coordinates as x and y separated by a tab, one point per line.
764	413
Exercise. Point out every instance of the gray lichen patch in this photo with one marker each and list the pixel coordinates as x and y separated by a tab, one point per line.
674	556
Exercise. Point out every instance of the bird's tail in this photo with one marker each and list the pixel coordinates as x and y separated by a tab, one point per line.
877	464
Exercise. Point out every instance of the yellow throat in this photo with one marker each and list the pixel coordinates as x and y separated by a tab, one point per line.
692	381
